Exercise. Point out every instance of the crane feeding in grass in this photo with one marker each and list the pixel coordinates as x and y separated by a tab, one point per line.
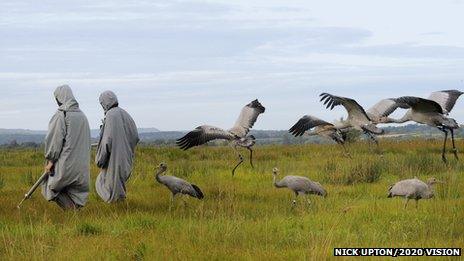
433	112
299	185
237	135
177	185
413	189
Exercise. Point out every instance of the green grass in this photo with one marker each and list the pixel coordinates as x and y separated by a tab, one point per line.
241	217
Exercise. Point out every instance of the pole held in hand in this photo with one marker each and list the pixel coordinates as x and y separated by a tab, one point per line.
34	187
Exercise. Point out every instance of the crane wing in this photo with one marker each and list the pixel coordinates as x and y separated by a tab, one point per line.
384	108
307	122
247	118
419	104
201	135
447	99
355	111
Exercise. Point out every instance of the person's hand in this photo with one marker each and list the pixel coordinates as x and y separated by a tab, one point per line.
49	167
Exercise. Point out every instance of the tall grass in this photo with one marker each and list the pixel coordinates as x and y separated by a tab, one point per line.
241	217
2	182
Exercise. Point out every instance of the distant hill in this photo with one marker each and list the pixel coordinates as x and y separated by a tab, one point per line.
157	137
21	132
37	136
95	133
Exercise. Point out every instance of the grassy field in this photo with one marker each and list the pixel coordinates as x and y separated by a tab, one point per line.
241	217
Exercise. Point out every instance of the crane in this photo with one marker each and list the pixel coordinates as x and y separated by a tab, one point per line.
413	189
237	135
177	185
299	185
433	112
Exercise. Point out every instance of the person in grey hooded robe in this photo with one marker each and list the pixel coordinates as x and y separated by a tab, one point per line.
116	149
67	150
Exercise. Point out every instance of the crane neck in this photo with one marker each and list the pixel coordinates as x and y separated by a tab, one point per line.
158	174
276	184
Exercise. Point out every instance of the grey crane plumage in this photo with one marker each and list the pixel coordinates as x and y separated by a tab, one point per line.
299	185
237	135
357	116
314	126
381	110
433	112
177	185
447	99
413	189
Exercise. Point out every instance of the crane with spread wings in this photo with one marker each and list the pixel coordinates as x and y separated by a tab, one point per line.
237	135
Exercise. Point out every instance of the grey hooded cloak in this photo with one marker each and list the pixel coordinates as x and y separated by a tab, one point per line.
116	149
67	145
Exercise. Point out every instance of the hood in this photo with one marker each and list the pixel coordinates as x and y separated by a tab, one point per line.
63	94
108	100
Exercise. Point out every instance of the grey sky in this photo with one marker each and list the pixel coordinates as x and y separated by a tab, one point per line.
179	64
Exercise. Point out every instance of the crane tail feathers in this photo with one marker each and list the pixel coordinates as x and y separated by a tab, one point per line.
390	194
199	193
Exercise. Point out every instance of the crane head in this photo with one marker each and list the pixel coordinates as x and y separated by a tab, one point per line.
432	181
163	166
275	171
450	123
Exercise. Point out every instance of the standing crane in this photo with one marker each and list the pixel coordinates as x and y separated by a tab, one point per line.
177	185
432	112
413	189
299	185
237	135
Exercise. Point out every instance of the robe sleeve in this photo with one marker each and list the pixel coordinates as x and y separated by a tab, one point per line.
55	138
104	147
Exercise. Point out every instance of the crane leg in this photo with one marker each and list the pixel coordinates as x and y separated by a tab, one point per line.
238	164
172	201
240	157
455	151
406	203
307	200
251	156
443	156
417	203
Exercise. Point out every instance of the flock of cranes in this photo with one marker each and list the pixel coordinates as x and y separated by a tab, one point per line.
432	111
